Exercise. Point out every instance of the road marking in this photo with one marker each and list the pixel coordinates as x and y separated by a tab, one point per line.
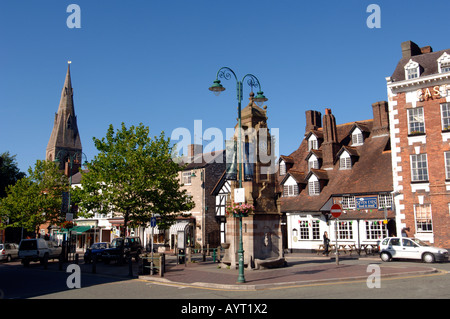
439	272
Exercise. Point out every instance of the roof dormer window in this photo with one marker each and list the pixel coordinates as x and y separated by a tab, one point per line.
313	162
345	161
313	186
444	63
282	168
357	137
412	70
290	187
313	144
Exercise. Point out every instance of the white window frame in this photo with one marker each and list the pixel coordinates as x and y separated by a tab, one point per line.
375	229
444	63
308	229
423	217
412	70
282	168
290	188
416	121
303	233
357	137
313	186
348	202
313	162
186	177
385	200
344	230
419	168
313	143
447	164
445	116
345	161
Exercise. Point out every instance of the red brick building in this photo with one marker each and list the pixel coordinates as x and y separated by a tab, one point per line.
419	111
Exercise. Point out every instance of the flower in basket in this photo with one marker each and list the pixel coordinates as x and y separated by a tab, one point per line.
239	209
68	224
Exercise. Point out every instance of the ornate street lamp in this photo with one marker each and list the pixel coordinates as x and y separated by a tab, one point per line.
217	88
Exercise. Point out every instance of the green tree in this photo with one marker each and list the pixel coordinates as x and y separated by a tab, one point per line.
9	172
134	175
36	198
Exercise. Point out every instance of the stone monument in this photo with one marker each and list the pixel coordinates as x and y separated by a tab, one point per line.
261	231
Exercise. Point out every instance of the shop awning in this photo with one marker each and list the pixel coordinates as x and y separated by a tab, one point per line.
178	227
78	229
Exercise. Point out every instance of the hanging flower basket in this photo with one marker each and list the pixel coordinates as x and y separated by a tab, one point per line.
68	224
239	210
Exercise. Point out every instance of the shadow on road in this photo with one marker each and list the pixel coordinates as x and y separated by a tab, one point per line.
19	282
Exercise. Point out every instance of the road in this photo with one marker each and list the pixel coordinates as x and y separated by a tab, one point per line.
35	282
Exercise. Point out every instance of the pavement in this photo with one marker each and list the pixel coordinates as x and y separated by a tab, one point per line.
301	269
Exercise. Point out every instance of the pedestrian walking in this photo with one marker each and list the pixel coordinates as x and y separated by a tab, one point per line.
326	243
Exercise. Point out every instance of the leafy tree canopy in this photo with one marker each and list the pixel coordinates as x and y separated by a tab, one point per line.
9	172
133	174
35	199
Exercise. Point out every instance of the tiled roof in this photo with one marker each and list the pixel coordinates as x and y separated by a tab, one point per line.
203	159
372	172
427	61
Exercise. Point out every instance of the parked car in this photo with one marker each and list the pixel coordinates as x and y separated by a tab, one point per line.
131	248
38	249
9	251
410	248
95	250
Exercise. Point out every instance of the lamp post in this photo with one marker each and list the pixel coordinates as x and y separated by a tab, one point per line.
217	88
72	158
76	156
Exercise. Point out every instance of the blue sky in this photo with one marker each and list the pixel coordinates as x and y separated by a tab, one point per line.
153	61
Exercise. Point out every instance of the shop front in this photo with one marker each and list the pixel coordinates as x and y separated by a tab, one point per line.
361	228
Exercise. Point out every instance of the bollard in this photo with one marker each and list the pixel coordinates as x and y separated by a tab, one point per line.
214	255
60	262
162	264
76	259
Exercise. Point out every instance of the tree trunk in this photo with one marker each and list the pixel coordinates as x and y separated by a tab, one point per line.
122	248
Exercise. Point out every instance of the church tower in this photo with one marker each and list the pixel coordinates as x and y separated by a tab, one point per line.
65	139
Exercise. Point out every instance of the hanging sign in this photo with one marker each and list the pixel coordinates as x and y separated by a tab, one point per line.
369	202
239	195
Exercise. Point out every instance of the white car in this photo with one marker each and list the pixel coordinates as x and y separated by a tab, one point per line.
37	250
9	251
410	248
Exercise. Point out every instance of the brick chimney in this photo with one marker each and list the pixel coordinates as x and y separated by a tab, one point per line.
380	118
195	149
427	49
313	120
330	145
410	49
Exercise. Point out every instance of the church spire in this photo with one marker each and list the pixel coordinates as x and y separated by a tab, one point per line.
65	138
